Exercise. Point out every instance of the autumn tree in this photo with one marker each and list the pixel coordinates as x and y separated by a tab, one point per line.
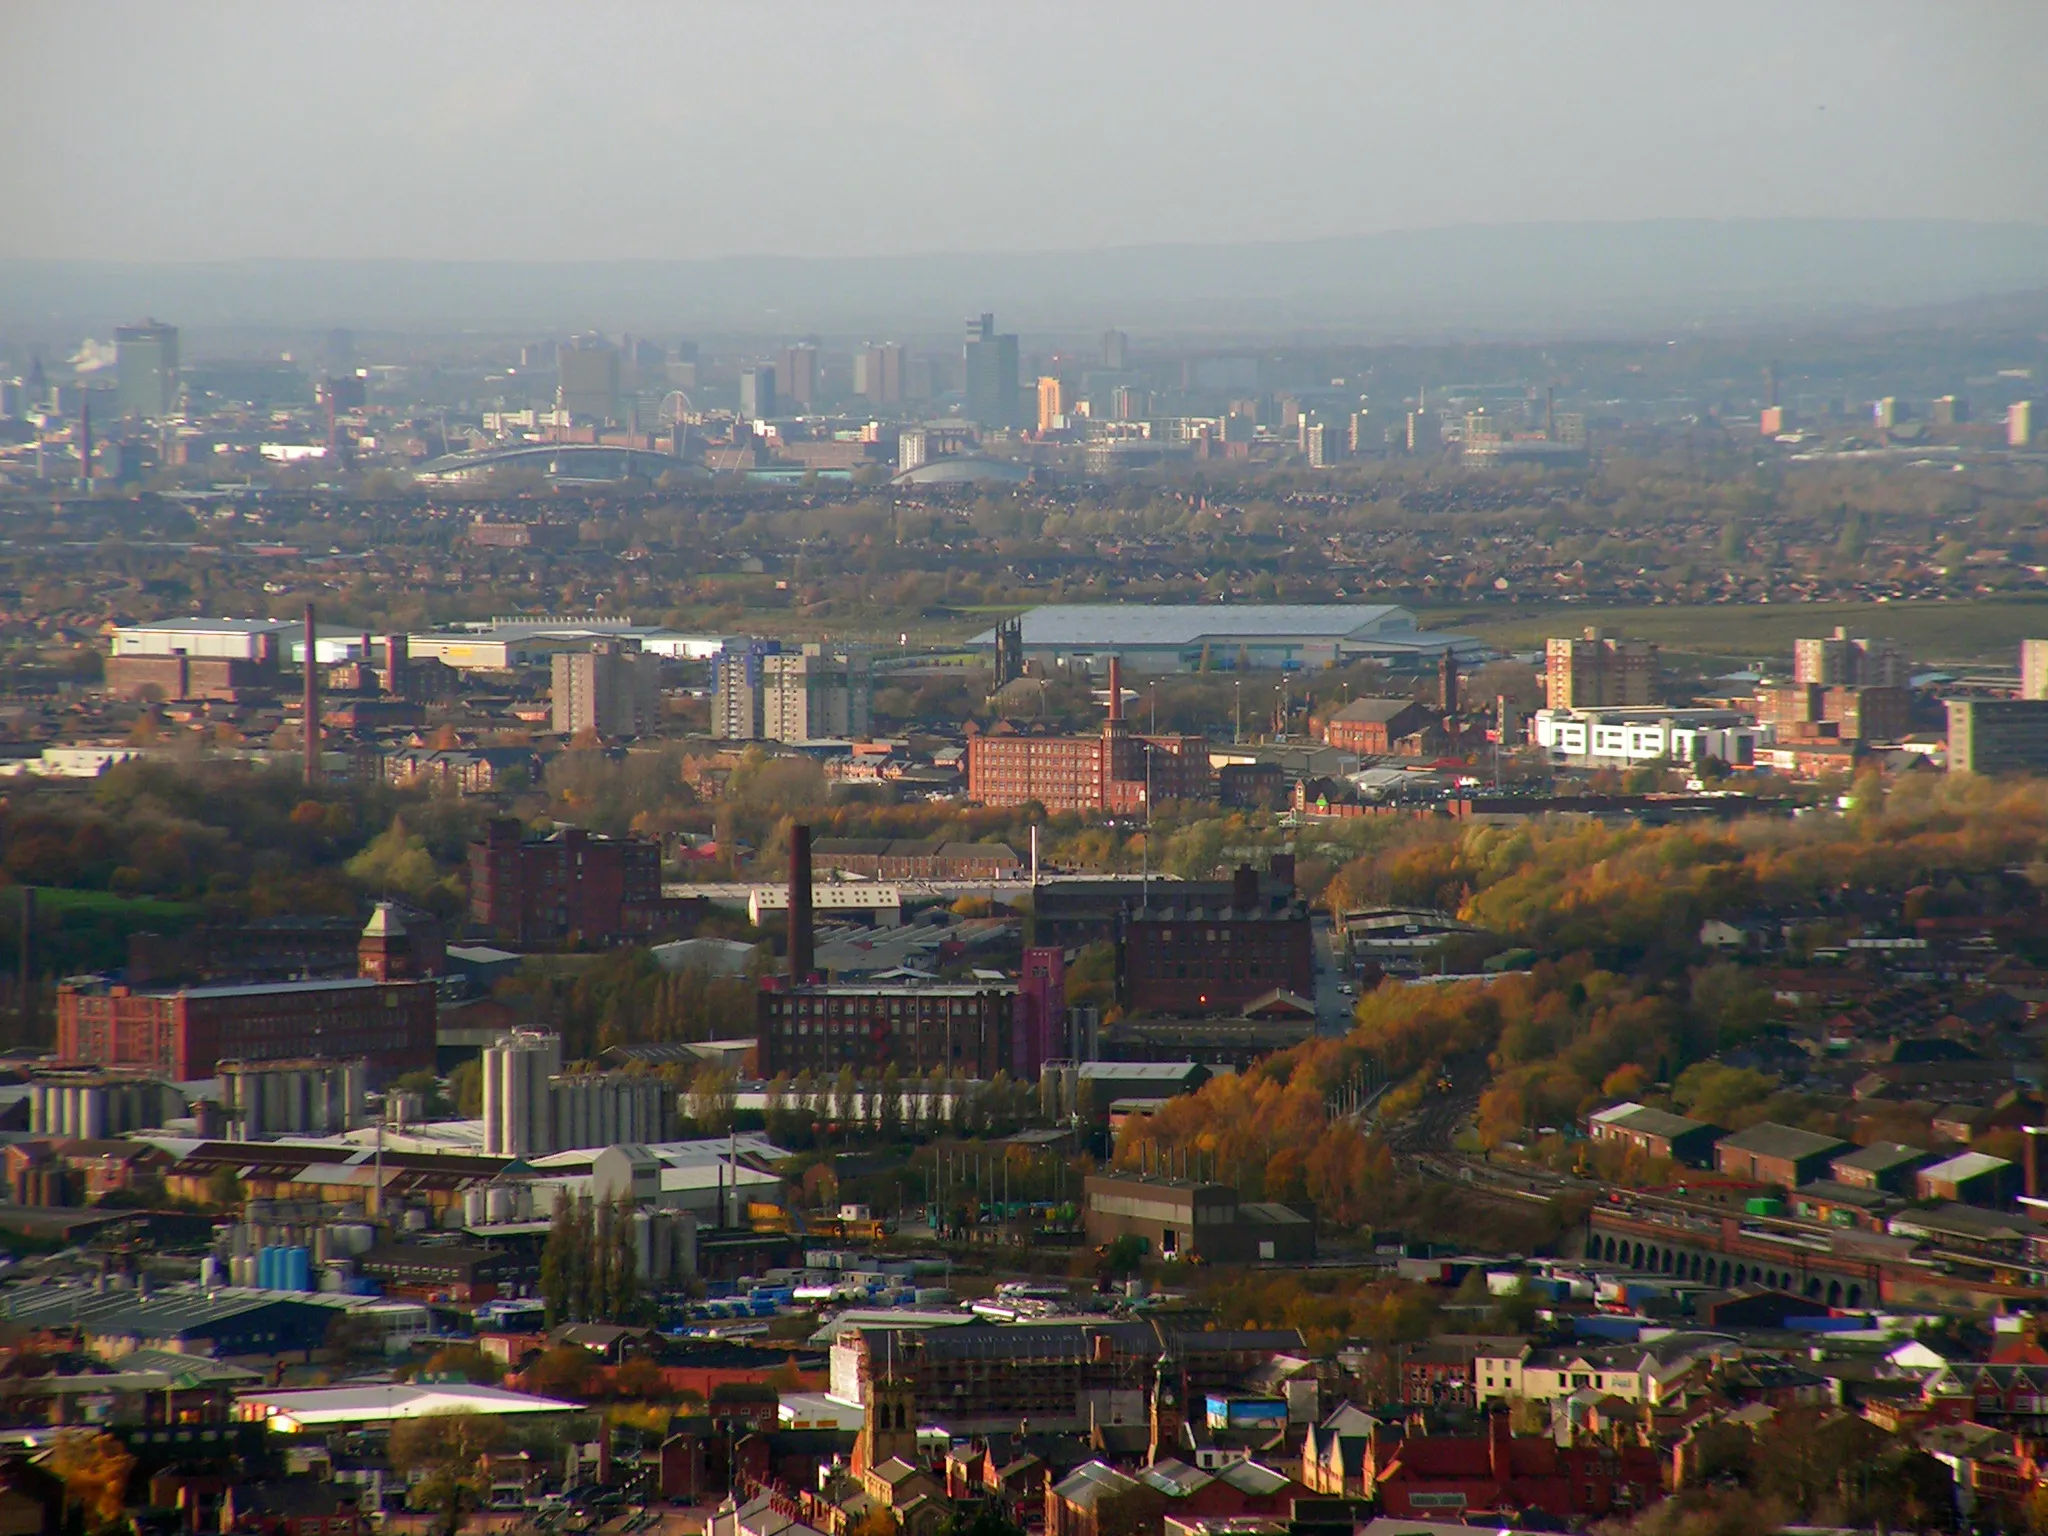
95	1468
444	1453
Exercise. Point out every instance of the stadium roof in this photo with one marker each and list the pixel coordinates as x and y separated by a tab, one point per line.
964	469
1111	624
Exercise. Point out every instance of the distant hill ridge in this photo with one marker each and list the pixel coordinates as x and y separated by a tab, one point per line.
1472	280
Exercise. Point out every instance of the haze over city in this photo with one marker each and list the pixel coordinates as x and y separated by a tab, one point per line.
675	134
1039	770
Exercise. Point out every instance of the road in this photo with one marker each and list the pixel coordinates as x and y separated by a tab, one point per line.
1333	1006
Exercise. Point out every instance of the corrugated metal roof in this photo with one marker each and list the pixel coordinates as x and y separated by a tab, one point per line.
1965	1165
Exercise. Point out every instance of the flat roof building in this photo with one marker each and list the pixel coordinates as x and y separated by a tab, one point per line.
1997	735
189	1031
1184	637
1181	1218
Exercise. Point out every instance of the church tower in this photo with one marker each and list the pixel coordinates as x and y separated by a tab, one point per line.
890	1428
1167	1411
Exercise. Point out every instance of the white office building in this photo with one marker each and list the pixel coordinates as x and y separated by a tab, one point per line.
1614	738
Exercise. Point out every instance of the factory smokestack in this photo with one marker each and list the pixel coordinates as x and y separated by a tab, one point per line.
311	715
1116	688
28	973
802	959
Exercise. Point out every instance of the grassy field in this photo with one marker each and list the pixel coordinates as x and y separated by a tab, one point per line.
88	930
1987	631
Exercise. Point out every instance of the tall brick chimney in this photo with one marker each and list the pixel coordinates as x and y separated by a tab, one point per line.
802	953
311	716
1116	688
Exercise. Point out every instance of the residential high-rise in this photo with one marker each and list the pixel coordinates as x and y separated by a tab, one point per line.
1116	350
1050	413
1598	672
1425	432
2019	424
1842	660
878	373
913	447
796	376
1887	413
757	393
1949	411
587	375
736	690
607	689
1997	735
820	693
2034	669
146	369
1323	444
991	368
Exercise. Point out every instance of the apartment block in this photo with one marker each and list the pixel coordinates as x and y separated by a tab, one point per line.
818	693
1842	659
610	689
1997	735
1598	671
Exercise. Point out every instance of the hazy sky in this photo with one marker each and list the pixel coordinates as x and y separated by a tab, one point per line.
579	129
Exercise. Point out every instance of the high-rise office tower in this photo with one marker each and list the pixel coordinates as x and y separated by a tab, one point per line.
878	373
757	393
146	368
991	368
2019	424
1116	350
1050	414
796	376
588	374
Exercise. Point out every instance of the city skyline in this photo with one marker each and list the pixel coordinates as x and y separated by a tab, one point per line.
381	133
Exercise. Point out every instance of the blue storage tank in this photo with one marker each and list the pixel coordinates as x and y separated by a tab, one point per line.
296	1265
266	1267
